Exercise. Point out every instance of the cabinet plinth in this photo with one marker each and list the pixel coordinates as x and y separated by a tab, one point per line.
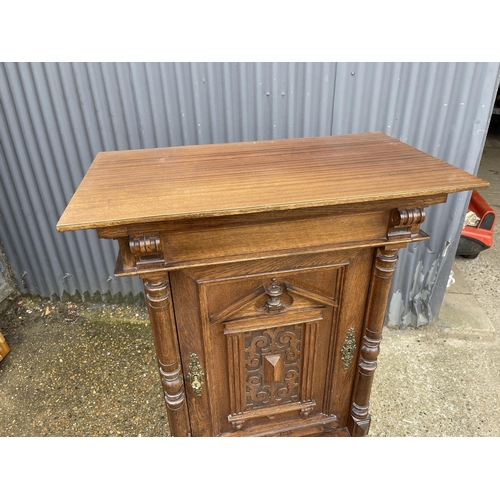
267	268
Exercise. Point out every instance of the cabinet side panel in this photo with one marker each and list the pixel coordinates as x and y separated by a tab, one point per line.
189	326
353	297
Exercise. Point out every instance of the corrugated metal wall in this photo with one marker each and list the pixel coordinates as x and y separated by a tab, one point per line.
444	110
55	117
6	282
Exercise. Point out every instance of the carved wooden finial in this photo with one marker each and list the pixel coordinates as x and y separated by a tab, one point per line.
274	291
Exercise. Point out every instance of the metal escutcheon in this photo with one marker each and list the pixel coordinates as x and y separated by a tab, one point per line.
195	375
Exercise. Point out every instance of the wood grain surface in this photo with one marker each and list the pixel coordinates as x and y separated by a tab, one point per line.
163	184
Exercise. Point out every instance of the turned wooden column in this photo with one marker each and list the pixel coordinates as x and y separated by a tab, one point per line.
159	301
383	270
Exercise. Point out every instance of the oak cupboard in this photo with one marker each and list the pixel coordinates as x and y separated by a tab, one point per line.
266	268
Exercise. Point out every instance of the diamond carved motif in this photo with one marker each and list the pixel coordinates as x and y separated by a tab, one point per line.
272	366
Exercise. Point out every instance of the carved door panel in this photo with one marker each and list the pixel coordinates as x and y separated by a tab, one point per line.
268	347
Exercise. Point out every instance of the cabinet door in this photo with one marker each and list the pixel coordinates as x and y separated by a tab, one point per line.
269	347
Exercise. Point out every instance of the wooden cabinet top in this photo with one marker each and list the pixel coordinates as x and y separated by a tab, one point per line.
162	184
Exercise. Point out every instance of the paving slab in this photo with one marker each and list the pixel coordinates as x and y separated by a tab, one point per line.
429	384
458	282
463	311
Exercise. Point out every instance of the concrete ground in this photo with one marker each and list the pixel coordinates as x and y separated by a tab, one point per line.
443	379
89	369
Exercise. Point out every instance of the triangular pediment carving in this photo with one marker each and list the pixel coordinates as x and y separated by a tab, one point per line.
277	298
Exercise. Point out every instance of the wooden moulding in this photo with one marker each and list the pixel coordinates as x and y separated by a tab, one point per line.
237	239
237	220
185	183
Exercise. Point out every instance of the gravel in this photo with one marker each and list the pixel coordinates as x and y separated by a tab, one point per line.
79	370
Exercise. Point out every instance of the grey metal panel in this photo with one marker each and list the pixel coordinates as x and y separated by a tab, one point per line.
55	117
44	156
444	110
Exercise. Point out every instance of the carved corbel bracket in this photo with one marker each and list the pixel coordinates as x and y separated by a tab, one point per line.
146	250
405	223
